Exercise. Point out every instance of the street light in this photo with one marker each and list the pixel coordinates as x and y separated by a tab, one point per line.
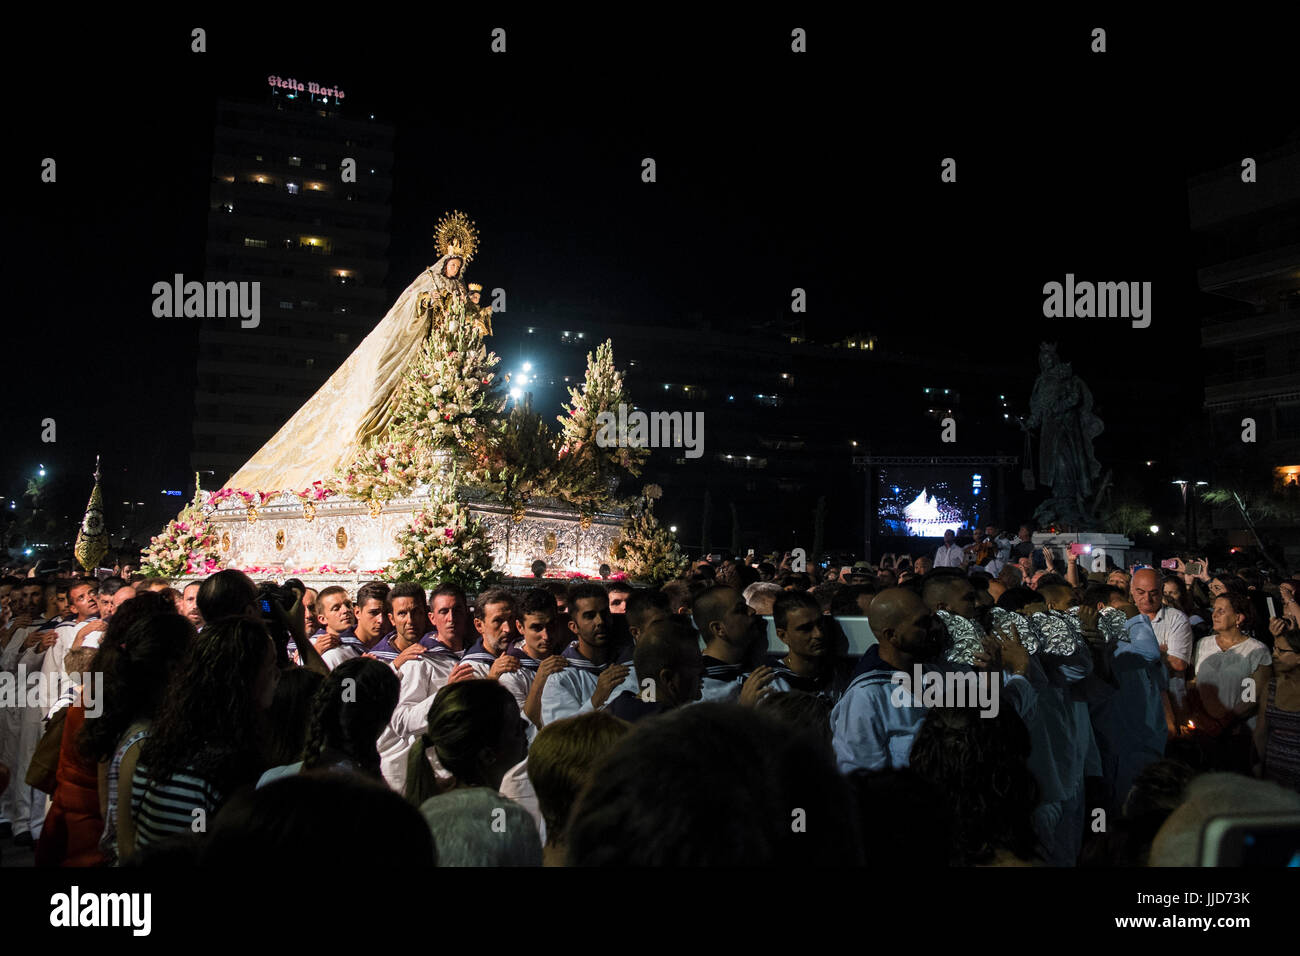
1155	529
672	528
41	472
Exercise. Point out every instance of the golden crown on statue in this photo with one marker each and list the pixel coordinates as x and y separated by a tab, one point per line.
475	287
456	235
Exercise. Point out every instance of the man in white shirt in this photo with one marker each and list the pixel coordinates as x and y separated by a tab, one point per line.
949	555
423	674
335	612
44	653
113	593
1172	629
83	599
28	619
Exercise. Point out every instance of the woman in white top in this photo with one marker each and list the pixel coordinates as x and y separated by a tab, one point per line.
1231	670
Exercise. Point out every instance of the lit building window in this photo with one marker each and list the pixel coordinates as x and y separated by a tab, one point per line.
293	189
295	160
286	305
254	243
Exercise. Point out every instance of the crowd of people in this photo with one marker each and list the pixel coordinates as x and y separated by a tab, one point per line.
223	721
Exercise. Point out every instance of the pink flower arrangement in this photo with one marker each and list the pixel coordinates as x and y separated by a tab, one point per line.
317	492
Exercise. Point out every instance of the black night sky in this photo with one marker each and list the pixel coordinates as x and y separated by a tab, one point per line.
775	171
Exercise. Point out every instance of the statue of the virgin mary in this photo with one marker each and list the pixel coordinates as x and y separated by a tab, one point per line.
356	404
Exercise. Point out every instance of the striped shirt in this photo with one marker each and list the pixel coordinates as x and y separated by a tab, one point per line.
1282	750
108	842
163	809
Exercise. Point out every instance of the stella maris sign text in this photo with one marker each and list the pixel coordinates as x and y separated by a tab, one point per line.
315	89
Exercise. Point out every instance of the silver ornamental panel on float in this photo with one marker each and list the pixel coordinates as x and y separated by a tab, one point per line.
286	537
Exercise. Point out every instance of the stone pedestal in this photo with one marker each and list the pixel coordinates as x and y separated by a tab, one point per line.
1113	546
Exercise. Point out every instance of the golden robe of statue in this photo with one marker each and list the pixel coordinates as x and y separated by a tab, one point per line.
357	401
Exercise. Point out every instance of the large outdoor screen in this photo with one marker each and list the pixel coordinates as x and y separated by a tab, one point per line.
924	502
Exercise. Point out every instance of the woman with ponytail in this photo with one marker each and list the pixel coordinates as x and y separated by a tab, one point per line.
477	734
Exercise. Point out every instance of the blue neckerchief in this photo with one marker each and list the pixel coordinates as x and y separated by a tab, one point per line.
630	707
437	647
526	663
719	670
478	652
575	659
808	684
385	649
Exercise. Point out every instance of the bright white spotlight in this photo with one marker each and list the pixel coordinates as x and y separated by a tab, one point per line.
516	393
528	366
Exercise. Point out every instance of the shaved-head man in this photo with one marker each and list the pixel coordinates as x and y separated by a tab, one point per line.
734	639
668	655
873	728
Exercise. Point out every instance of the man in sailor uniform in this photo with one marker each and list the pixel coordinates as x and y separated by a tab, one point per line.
810	665
538	624
494	618
875	722
734	641
589	674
